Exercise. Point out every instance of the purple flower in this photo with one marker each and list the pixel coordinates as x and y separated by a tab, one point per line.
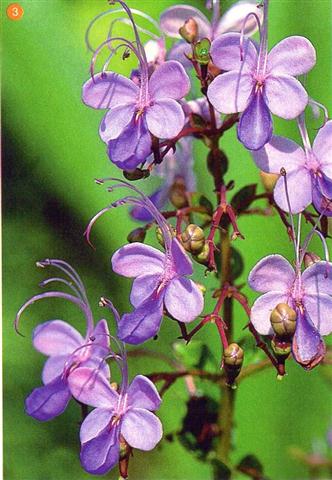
308	293
309	170
258	83
126	414
65	347
172	19
136	111
160	278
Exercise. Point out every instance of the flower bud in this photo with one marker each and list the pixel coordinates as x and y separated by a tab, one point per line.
160	236
193	239
177	194
137	235
202	51
189	30
136	174
310	258
280	348
269	180
283	321
232	361
203	256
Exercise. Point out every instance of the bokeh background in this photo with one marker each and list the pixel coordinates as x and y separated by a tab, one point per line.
52	153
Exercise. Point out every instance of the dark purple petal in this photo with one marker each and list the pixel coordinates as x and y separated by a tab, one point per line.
172	19
184	299
158	198
56	338
279	153
285	96
49	401
142	393
95	423
299	185
318	278
143	323
170	80
226	54
101	453
273	272
132	147
262	309
108	90
232	19
53	368
292	56
319	308
137	259
165	118
141	429
308	347
255	127
91	387
322	148
115	121
230	92
181	261
143	287
320	201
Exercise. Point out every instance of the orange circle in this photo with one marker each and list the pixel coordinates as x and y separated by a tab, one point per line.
15	11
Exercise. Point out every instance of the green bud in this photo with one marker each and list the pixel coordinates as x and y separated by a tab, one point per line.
136	174
193	239
177	194
310	258
137	235
160	236
202	51
189	31
203	256
283	321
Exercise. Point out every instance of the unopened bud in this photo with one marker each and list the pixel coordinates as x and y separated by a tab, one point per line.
136	174
177	194
269	180
203	256
232	361
189	31
202	51
137	235
280	348
283	320
193	239
114	386
310	258
160	236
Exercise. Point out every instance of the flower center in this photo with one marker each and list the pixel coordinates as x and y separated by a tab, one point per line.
312	163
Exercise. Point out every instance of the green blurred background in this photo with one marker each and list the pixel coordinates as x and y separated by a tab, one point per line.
52	153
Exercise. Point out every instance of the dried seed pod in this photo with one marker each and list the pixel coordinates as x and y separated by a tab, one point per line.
283	321
189	30
193	239
137	235
203	256
310	258
177	194
136	174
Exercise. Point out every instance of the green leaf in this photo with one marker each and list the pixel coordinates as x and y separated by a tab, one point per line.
220	470
195	354
205	202
244	197
251	466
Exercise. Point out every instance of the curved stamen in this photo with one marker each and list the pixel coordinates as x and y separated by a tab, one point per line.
308	238
296	248
304	132
314	104
215	14
125	21
246	18
262	56
44	283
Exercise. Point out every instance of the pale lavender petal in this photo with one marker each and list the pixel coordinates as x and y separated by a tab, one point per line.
181	261
53	368
101	453
178	52
165	118
172	19
285	96
273	272
262	309
49	401
232	19
142	288
158	198
299	190
143	323
255	126
137	259
132	147
184	299
226	54
115	121
102	338
56	338
318	278
292	56
170	80
319	308
142	393
230	92
95	423
109	89
308	347
322	148
96	363
91	387
279	152
141	429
